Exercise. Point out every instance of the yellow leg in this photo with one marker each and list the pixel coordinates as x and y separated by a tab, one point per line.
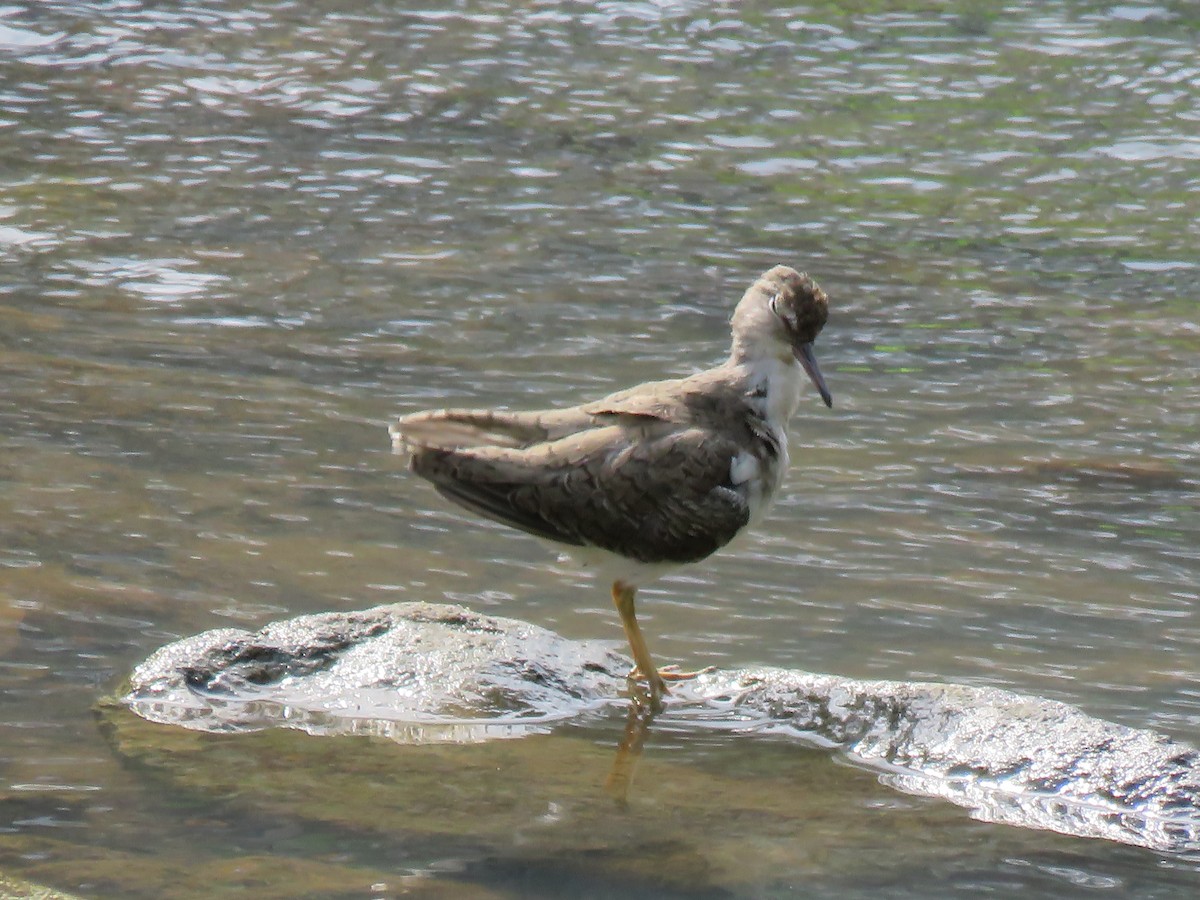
623	597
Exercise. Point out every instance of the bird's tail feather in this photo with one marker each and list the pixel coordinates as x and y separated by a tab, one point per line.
451	429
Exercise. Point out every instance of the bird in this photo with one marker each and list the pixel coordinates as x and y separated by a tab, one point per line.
647	479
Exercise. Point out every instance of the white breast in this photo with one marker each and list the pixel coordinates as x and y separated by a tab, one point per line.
775	388
744	468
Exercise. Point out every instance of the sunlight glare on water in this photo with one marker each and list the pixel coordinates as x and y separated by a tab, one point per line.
237	238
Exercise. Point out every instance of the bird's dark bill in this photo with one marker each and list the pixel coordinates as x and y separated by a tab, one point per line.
804	354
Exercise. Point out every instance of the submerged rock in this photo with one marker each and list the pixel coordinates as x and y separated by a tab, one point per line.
14	888
419	673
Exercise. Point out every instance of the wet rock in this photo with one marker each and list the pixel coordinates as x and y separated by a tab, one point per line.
413	672
1008	758
420	673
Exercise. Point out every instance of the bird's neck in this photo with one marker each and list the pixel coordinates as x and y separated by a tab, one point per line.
772	382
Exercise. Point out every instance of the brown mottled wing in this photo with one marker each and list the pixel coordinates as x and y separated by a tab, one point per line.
658	494
661	400
705	400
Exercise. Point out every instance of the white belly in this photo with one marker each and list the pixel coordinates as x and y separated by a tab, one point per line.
608	567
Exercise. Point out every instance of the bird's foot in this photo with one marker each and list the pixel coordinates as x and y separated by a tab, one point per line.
647	699
670	673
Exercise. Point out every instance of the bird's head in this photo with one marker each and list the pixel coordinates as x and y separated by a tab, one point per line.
781	315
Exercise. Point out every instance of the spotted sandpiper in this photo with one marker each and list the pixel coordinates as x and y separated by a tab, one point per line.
649	478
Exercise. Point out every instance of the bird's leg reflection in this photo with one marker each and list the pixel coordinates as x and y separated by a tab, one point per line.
642	710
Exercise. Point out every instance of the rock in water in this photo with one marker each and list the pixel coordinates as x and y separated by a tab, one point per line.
423	672
413	672
1008	758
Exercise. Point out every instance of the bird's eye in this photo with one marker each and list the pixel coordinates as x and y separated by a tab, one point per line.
774	304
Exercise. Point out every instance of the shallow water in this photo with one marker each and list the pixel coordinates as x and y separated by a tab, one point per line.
237	238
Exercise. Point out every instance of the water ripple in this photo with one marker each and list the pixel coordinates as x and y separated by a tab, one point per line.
237	238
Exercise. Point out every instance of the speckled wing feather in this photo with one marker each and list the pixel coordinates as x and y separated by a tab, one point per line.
660	493
661	400
705	400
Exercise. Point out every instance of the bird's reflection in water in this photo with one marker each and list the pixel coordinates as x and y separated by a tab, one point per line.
643	707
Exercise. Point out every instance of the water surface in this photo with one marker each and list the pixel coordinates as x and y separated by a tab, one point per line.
236	238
